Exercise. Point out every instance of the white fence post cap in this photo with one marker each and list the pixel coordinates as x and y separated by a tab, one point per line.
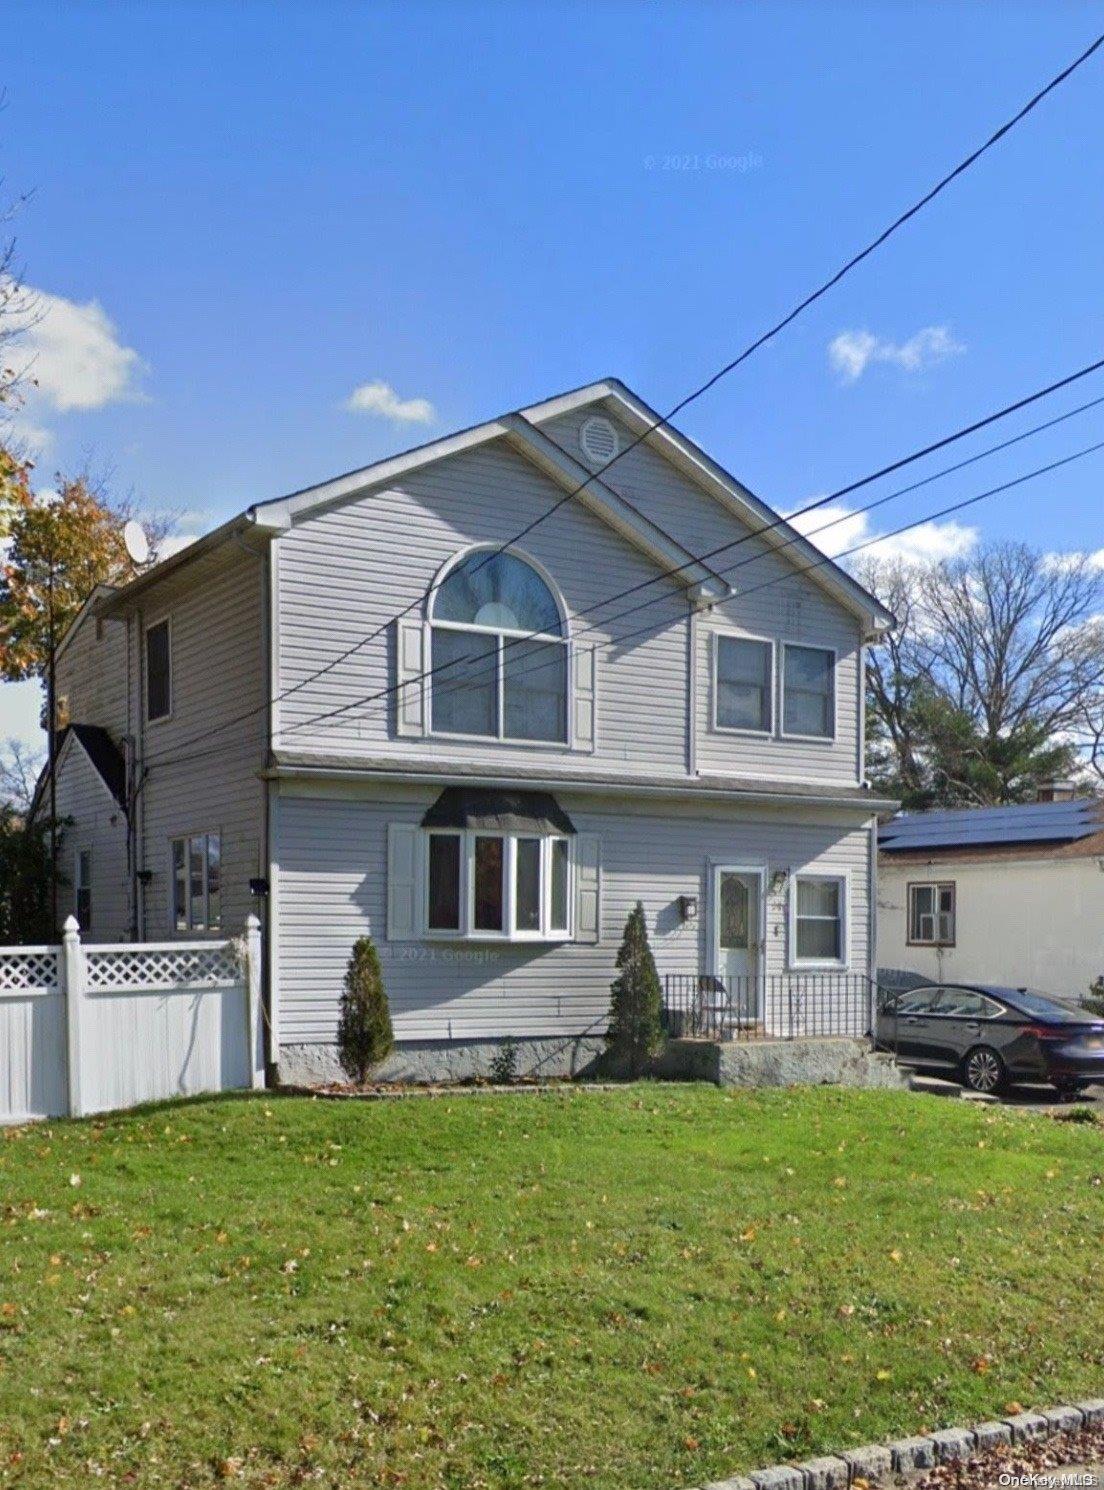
72	926
252	922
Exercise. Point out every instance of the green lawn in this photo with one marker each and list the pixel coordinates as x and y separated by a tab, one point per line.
634	1290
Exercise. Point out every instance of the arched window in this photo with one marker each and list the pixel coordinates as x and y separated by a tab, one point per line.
498	654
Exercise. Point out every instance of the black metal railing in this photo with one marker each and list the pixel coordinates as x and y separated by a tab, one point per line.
779	1006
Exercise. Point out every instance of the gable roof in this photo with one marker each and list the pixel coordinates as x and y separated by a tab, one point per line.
523	433
1039	828
104	755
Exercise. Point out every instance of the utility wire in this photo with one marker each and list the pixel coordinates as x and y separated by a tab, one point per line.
786	578
722	372
677	569
491	655
802	569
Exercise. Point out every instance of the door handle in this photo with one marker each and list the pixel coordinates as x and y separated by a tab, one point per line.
912	1019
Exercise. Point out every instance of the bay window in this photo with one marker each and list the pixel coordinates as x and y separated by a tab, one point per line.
509	886
498	652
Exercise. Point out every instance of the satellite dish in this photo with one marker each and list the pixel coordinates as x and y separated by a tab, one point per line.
137	544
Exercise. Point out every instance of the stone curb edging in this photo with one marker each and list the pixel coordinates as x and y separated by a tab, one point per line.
399	1093
874	1463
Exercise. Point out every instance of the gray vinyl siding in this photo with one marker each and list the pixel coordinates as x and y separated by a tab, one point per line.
93	820
330	847
217	612
345	572
92	674
788	608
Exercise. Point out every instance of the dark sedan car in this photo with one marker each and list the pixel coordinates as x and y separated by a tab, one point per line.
990	1036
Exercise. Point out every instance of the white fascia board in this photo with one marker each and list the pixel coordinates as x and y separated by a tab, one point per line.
613	509
743	504
281	512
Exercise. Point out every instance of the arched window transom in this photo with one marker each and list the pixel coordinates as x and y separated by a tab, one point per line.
498	652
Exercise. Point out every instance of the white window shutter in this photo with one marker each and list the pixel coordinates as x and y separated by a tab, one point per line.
402	882
410	659
588	908
583	691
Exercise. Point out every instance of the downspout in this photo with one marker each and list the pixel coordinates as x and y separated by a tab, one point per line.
270	614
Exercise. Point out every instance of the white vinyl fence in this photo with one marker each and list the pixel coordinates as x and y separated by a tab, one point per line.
87	1028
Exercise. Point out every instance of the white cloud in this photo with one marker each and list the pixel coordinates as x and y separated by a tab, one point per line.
379	398
851	352
844	530
71	355
1068	560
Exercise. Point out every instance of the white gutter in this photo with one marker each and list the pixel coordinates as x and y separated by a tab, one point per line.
558	784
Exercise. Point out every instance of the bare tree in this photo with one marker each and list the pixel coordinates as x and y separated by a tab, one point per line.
995	672
20	766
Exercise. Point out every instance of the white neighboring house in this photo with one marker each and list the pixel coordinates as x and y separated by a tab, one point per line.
1008	895
491	825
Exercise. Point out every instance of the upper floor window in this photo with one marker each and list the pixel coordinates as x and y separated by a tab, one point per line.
498	652
744	672
931	915
809	691
158	671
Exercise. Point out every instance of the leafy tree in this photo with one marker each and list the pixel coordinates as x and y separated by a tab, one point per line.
989	680
25	900
635	1029
58	552
364	1033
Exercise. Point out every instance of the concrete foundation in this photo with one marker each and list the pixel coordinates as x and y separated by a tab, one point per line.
758	1063
445	1061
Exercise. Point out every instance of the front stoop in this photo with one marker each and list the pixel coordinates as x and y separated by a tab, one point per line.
831	1060
879	1464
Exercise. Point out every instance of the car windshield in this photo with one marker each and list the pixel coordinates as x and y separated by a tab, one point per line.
1042	1007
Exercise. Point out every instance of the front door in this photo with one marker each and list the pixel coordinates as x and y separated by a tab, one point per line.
736	938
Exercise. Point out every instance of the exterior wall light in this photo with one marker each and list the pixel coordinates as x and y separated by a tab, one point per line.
688	907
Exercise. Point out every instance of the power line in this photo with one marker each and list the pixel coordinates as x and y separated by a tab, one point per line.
953	507
677	569
491	655
846	553
722	372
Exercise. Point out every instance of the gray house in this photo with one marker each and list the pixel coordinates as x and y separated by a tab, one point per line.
488	783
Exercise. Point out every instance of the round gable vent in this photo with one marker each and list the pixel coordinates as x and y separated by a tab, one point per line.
598	439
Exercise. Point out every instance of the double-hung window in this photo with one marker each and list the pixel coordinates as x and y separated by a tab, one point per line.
743	684
197	882
498	652
819	920
808	691
482	885
931	915
83	889
158	671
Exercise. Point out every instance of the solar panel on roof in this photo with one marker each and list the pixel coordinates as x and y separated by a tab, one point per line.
1039	822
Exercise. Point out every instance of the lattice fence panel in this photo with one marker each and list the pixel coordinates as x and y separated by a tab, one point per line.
207	967
29	971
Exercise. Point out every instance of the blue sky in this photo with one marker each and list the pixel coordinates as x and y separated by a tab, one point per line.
246	212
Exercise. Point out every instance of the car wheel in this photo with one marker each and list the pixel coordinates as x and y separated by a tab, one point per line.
983	1071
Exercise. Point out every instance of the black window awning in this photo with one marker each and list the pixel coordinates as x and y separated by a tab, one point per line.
498	811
